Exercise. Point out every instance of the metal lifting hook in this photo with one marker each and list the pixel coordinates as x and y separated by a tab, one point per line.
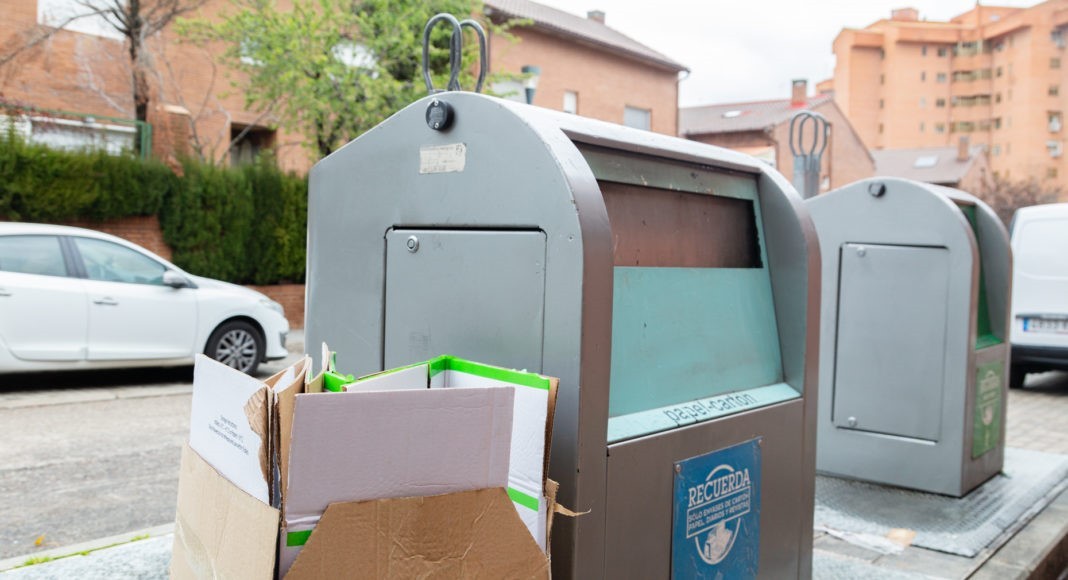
808	157
455	52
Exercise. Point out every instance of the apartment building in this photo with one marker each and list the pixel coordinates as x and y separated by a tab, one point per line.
583	66
994	74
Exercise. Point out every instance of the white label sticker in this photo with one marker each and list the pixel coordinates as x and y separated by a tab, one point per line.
442	158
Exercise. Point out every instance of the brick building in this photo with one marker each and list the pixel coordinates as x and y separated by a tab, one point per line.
995	74
761	129
586	67
84	70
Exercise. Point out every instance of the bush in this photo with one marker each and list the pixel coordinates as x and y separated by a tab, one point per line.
245	225
242	225
39	184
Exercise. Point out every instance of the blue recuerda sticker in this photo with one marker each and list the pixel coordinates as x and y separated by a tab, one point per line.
716	517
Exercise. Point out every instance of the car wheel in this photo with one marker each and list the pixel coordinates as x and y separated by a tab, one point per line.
236	344
1017	375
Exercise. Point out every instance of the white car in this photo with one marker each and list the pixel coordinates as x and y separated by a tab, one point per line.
72	298
1039	331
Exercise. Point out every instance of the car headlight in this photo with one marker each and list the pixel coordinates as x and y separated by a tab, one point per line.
273	306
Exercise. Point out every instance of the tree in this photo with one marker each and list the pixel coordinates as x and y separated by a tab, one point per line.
332	69
135	21
1005	197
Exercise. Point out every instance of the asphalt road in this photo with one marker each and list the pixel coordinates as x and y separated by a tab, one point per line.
91	454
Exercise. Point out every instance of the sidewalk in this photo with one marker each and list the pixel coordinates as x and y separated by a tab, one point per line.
1037	419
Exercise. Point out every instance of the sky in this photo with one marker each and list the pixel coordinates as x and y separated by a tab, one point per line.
747	50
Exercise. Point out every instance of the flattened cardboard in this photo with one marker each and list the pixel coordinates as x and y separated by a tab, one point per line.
473	534
220	531
229	425
370	445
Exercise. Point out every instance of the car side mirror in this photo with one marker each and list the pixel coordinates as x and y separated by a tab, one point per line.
176	280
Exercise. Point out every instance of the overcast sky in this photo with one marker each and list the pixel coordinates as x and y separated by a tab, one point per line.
743	50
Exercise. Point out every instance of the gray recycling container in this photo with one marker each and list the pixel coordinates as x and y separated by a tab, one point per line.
670	285
913	354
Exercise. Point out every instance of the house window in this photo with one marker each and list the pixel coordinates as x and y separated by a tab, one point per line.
923	102
942	51
997	98
997	122
997	72
69	134
1054	90
921	127
881	103
880	128
940	103
1051	173
1054	119
996	150
923	76
940	78
637	117
940	128
248	142
882	79
923	50
570	102
1055	62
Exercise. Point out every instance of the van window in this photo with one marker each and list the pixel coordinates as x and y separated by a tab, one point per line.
1043	248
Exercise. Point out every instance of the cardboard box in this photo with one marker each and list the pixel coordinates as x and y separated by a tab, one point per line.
282	468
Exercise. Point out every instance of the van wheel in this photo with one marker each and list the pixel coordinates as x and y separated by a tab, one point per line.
236	344
1016	377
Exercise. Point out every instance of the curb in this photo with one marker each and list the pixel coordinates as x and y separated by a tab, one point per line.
90	546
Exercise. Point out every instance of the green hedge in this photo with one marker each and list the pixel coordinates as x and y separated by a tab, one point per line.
243	225
39	184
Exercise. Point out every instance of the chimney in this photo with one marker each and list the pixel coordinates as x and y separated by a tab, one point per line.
799	93
963	151
905	14
596	15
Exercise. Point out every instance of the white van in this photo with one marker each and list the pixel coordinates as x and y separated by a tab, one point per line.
1039	290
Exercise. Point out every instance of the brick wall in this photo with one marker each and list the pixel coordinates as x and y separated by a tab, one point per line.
605	82
291	297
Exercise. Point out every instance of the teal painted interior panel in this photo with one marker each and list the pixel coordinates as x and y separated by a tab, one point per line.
680	334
